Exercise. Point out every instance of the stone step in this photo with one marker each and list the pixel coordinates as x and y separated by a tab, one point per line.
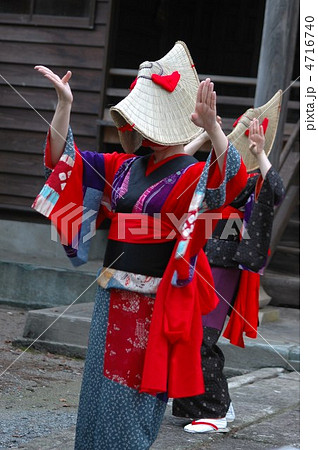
283	288
65	331
289	246
41	283
286	259
292	233
35	240
62	329
290	249
34	269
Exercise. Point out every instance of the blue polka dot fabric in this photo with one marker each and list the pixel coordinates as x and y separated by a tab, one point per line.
112	416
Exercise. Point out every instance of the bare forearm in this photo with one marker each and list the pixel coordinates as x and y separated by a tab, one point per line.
264	163
61	118
220	143
195	145
59	130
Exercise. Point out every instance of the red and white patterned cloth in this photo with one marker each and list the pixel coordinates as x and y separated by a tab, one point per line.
127	336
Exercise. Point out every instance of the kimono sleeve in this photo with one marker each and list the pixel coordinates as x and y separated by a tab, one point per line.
71	197
224	185
270	190
253	249
214	189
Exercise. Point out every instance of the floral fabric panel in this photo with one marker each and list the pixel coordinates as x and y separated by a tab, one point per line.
127	336
118	279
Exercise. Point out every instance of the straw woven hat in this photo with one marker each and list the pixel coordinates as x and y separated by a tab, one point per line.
155	113
239	137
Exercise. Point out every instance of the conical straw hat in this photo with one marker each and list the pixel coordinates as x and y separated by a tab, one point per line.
271	111
155	113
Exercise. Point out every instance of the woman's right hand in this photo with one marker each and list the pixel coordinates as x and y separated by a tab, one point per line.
62	87
61	119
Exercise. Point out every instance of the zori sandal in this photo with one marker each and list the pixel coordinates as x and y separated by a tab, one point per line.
230	415
207	426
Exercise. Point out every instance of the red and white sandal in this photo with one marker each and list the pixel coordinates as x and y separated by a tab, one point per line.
207	426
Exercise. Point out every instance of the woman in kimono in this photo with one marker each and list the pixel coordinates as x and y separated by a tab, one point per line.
237	259
146	329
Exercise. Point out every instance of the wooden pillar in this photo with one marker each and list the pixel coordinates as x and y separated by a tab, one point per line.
277	59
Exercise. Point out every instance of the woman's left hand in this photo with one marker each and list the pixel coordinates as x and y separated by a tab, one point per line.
256	137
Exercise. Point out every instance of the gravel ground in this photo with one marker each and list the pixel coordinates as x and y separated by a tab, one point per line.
39	399
39	391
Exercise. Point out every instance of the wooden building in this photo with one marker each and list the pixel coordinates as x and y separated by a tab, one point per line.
103	42
27	100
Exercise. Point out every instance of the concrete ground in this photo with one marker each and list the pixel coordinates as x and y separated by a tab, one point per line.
40	396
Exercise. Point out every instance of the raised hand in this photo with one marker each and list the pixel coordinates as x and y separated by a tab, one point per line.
61	119
61	85
205	115
256	137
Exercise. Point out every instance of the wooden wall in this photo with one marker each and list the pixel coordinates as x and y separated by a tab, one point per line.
22	130
224	39
140	30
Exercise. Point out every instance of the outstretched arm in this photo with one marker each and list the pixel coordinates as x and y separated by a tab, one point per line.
61	118
205	117
256	147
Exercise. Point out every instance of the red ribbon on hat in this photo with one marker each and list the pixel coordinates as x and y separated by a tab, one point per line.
247	132
133	84
168	82
126	127
264	125
237	121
